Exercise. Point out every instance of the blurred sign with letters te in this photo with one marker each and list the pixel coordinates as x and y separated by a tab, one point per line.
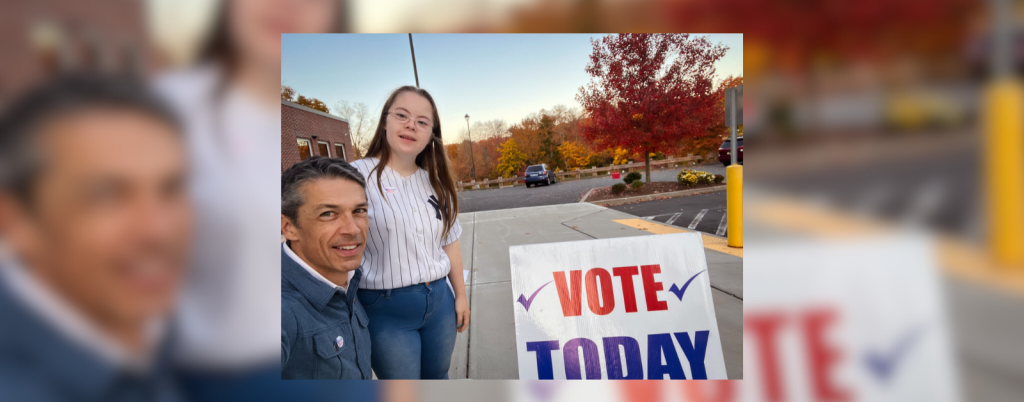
843	320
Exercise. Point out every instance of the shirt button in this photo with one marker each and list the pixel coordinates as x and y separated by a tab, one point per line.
413	209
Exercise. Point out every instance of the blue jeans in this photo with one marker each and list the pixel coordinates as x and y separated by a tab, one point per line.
412	330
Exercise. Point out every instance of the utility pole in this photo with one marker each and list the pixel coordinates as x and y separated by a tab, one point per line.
413	51
472	163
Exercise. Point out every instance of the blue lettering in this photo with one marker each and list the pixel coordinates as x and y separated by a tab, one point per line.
695	352
634	365
590	359
656	344
543	349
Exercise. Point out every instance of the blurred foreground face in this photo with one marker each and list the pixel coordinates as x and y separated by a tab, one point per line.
333	224
109	217
256	25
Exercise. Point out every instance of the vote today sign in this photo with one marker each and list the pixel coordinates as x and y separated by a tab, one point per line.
627	308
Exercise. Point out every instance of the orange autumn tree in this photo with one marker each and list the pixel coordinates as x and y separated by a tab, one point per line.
313	103
576	154
707	143
511	159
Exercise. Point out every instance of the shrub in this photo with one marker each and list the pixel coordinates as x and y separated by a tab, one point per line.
637	184
693	177
632	176
618	188
719	179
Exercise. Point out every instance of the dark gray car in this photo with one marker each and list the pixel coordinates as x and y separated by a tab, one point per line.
537	174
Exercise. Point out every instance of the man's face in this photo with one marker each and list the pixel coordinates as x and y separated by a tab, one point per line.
332	226
110	219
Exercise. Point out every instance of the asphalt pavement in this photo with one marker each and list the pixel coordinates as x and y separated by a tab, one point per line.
702	212
563	192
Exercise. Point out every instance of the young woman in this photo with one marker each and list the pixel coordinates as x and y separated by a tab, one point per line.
413	243
229	321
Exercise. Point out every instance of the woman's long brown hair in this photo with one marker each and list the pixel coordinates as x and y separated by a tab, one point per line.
433	159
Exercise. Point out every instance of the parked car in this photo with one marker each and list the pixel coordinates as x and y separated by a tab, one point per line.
723	151
537	174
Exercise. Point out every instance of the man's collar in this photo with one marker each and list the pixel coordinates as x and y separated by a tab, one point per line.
317	291
70	361
288	250
53	309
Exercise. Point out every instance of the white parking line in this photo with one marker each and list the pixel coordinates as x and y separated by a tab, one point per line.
926	202
873	199
649	217
696	219
673	218
722	225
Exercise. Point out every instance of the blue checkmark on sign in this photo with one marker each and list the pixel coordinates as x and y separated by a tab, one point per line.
884	364
679	291
527	302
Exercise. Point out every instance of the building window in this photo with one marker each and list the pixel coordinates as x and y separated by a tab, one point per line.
339	151
305	149
325	149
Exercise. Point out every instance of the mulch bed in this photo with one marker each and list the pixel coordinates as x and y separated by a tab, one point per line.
657	187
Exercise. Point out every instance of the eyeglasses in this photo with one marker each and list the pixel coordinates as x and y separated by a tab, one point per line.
403	117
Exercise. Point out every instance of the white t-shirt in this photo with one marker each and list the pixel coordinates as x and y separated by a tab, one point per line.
404	246
230	310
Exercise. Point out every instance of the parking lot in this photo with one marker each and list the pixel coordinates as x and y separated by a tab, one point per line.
563	192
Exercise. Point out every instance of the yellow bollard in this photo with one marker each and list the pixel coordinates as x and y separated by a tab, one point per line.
734	204
1004	171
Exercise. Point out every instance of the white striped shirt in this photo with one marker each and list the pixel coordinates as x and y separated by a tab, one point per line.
403	247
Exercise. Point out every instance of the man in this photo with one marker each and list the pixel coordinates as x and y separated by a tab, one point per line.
324	221
95	215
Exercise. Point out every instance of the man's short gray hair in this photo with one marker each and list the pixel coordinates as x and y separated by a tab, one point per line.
314	168
21	154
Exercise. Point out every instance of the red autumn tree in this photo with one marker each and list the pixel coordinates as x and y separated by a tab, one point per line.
649	91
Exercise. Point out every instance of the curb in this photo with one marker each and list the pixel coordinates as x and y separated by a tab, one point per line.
584	199
620	201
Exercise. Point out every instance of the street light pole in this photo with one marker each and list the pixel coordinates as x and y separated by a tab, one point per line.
414	72
472	163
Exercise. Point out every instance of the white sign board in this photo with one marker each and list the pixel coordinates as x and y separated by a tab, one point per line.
626	308
852	320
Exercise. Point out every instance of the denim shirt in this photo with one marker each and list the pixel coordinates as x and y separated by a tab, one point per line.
323	329
39	363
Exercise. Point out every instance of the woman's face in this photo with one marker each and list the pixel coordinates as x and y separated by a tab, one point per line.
256	26
407	139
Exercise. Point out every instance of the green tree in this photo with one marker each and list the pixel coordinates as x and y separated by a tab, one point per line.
548	152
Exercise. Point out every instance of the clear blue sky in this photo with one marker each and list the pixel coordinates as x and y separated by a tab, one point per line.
488	76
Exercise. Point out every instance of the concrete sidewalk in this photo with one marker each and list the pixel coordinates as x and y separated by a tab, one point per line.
488	349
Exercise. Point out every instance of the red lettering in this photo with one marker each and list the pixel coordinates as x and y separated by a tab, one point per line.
639	390
651	287
594	300
764	328
625	275
822	358
571	305
709	391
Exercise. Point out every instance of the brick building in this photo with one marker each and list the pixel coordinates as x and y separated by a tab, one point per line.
306	132
44	37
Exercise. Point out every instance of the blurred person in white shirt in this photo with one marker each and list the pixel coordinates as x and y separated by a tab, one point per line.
230	315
